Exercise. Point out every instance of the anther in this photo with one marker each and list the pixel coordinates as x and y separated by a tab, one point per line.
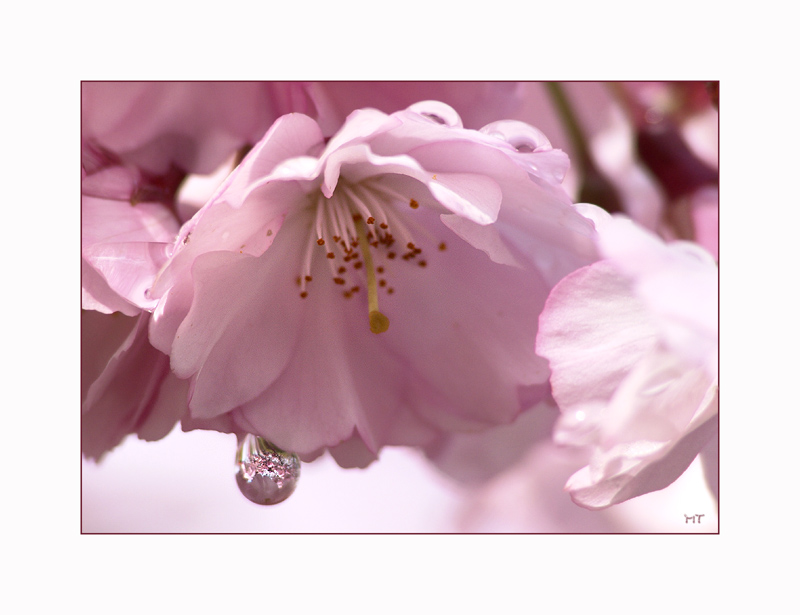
413	204
338	280
331	255
442	246
320	242
370	220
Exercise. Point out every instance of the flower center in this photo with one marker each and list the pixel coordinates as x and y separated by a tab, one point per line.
356	224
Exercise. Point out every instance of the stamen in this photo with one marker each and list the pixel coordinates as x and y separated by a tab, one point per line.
358	203
361	216
306	267
320	219
337	220
378	323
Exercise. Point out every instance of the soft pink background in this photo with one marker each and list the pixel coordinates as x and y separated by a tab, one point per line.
185	483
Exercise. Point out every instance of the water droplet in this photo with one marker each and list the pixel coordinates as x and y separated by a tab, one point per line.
266	474
438	112
523	137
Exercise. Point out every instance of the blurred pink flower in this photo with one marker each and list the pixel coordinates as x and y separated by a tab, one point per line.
443	241
193	126
632	344
477	458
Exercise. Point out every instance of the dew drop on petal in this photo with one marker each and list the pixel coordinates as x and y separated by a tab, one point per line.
438	112
523	137
266	474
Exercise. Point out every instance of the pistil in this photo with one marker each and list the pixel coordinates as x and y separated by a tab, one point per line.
378	322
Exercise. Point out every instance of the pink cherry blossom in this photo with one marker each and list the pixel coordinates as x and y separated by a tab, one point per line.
632	345
380	288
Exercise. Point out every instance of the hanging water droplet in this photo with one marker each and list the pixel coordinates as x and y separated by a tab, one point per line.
266	474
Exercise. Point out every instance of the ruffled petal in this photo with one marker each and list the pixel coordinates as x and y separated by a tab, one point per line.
659	471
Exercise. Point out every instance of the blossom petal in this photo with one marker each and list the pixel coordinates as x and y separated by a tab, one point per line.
125	398
291	136
456	336
646	477
124	244
484	237
97	295
573	343
474	197
129	268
